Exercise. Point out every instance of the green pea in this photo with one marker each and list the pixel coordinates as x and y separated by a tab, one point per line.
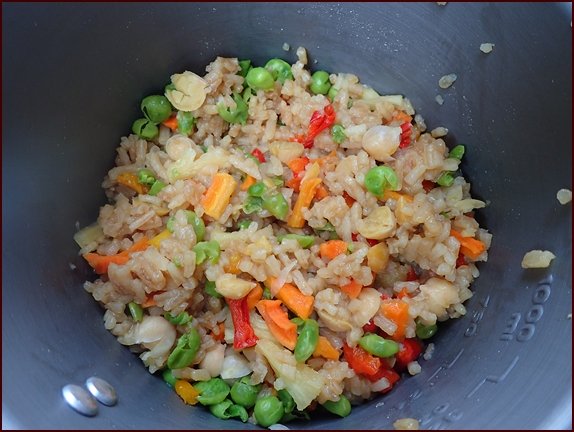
268	410
210	289
197	223
327	227
234	115
244	224
267	294
425	332
320	83
185	351
156	187
457	152
298	321
156	108
185	122
378	346
341	408
305	241
287	400
244	393
280	70
446	179
146	177
227	409
276	204
257	189
212	392
207	250
170	224
259	79
145	129
380	178
332	93
278	181
338	133
168	377
180	319
245	65
307	340
295	415
136	311
252	205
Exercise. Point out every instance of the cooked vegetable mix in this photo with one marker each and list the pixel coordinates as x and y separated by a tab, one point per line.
280	242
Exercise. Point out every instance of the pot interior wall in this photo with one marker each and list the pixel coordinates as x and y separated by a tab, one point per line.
73	78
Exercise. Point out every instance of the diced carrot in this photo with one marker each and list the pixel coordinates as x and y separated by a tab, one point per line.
100	263
332	248
402	117
325	349
469	246
131	180
254	296
308	189
171	123
149	301
294	183
218	195
398	312
403	293
389	194
249	181
278	322
298	165
321	193
348	199
296	301
352	289
220	332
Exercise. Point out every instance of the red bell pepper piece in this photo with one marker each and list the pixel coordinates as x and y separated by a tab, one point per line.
389	374
259	155
244	335
428	185
370	327
405	135
318	123
412	275
460	261
410	350
361	361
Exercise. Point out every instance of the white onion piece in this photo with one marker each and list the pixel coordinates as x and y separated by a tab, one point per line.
234	365
381	142
213	360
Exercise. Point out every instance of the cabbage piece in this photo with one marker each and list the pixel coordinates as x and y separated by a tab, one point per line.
89	234
188	167
303	383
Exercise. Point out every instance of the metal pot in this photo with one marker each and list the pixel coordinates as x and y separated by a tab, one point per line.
73	78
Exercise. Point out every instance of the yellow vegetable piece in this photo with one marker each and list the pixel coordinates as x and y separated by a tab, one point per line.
218	195
389	194
189	93
378	257
186	391
156	241
131	180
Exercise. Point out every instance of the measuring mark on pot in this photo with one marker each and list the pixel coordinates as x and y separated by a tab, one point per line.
531	317
446	366
439	415
494	379
476	317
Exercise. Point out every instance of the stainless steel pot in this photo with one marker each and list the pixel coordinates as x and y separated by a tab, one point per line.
73	77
